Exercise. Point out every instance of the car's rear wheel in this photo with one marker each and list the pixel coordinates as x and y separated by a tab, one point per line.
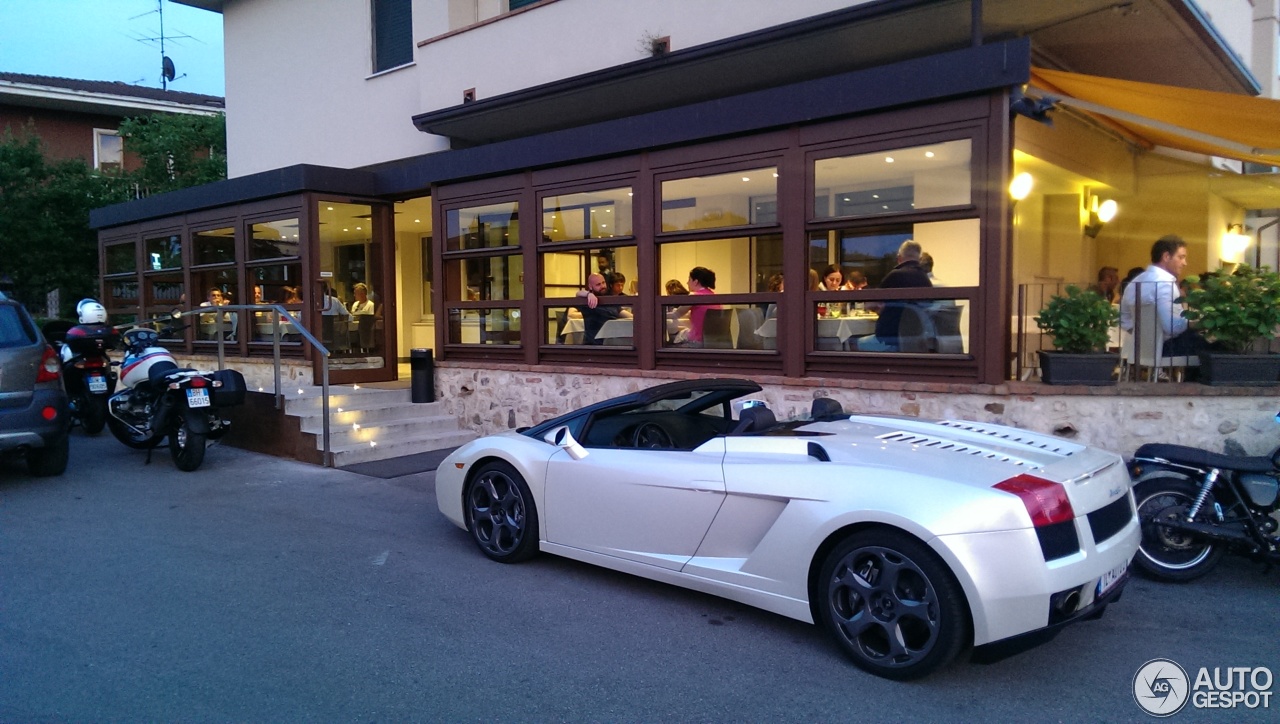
892	605
1165	553
50	459
500	513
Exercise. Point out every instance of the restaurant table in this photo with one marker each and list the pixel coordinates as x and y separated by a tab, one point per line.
618	333
572	330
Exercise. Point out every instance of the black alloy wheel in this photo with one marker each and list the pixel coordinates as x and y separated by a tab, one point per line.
500	514
892	605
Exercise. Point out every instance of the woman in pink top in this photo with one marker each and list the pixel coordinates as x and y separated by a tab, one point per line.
701	281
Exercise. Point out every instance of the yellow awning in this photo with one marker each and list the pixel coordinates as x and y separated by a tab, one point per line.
1245	128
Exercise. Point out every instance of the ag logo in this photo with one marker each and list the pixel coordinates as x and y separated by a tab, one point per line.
1160	687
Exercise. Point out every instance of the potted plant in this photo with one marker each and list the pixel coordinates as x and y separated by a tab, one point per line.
1239	311
1080	323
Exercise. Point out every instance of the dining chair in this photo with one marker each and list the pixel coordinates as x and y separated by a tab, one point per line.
1142	350
717	328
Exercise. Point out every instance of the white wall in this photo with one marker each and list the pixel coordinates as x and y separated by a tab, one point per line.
299	87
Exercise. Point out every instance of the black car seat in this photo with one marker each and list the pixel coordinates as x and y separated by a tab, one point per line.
755	419
825	408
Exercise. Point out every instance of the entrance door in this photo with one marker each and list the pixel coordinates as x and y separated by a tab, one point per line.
354	295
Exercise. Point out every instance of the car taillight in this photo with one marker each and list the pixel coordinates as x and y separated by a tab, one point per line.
49	366
198	382
1046	501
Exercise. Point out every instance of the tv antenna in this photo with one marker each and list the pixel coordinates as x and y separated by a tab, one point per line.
168	73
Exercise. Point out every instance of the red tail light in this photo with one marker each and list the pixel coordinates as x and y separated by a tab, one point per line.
49	366
198	382
1046	501
93	363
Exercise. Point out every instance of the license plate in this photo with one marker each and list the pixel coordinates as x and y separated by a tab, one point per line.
97	383
1110	578
197	397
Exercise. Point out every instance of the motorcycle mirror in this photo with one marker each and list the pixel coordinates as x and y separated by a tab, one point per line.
176	313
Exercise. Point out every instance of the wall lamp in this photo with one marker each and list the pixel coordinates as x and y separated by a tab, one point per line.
1100	213
1235	242
1020	186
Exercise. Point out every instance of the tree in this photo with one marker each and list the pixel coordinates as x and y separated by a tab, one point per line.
176	150
45	239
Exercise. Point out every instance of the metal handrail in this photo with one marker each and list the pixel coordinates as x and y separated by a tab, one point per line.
219	313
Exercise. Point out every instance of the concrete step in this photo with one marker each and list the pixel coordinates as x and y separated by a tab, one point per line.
363	452
381	431
379	414
310	402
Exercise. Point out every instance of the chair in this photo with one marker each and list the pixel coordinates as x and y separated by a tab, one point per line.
341	333
1142	349
365	326
717	329
749	320
562	318
946	328
915	329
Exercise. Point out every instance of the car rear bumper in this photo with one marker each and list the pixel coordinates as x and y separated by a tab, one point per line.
26	427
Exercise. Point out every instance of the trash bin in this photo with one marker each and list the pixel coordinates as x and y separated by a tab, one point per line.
422	368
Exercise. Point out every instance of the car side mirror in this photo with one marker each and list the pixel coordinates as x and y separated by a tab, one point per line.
563	439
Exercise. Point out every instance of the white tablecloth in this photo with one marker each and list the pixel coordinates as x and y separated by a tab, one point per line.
618	332
841	328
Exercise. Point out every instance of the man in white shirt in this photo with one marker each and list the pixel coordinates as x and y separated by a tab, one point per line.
1158	286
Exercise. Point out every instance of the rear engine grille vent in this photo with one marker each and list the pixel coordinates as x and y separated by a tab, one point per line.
1110	519
957	447
1037	441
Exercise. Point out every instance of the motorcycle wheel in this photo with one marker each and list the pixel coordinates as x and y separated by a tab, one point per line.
124	434
186	447
1166	554
93	414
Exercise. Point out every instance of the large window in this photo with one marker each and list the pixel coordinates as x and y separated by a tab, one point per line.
749	268
483	274
392	34
739	198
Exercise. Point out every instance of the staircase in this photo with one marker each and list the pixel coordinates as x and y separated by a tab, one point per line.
369	423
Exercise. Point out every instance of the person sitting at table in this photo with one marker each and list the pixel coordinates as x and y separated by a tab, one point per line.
775	285
291	296
907	274
208	322
702	281
854	280
617	282
675	288
363	311
595	314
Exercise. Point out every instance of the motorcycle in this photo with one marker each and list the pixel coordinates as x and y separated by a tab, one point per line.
1195	506
86	369
161	399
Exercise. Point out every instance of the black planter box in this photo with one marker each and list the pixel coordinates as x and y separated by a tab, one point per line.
1091	368
1247	370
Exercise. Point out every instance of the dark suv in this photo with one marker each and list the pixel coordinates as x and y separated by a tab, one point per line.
34	419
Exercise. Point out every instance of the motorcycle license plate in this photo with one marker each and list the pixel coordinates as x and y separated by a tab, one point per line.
1110	578
197	397
97	383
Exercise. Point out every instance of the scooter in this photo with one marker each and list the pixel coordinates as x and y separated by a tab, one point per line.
162	400
1195	506
86	366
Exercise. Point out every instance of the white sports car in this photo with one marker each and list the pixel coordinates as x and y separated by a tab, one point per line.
908	540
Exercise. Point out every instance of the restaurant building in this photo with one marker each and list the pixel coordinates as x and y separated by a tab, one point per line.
473	161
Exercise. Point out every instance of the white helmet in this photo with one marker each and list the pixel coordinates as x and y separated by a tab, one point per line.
91	312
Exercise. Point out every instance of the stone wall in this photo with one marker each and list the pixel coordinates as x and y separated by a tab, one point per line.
1119	418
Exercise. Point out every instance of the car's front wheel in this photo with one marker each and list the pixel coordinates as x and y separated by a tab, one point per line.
500	513
892	605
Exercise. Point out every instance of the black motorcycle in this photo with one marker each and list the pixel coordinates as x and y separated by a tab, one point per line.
161	399
86	369
1195	506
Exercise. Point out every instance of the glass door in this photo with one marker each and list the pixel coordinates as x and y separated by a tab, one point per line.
353	298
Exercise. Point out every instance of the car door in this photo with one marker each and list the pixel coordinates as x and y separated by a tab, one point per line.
648	506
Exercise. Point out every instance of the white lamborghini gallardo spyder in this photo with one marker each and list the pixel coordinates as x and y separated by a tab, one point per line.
908	540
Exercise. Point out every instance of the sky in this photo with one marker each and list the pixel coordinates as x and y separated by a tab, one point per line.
112	40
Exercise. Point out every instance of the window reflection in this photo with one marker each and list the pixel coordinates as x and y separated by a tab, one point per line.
273	239
121	259
482	227
591	215
485	278
951	246
893	181
164	252
484	326
731	199
214	246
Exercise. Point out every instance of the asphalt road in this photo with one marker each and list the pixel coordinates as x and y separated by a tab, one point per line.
257	589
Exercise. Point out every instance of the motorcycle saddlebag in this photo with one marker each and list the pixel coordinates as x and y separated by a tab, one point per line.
232	390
